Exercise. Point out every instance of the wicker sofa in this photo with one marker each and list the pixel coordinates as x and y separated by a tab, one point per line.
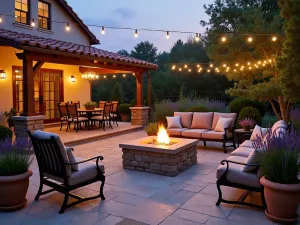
201	125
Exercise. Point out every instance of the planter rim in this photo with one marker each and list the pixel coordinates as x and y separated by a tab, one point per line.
280	187
8	179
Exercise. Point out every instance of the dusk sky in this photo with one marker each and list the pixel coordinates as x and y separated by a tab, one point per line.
157	14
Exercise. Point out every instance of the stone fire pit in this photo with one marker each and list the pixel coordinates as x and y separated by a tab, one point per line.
146	156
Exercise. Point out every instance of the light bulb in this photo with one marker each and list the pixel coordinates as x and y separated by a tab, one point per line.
168	35
97	76
197	38
248	63
103	30
250	39
274	38
190	70
114	76
68	27
208	70
0	19
32	23
234	70
124	75
211	65
180	69
104	76
136	34
185	66
270	60
198	65
224	65
223	39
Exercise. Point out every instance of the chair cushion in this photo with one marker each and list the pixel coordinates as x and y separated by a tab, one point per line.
71	158
247	144
224	115
79	119
252	159
173	122
202	120
236	175
214	135
87	171
176	131
242	152
258	132
193	133
185	118
113	115
222	124
47	135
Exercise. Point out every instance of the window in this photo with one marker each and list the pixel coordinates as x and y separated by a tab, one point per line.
22	11
44	15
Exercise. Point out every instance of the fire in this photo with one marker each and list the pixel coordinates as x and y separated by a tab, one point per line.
162	135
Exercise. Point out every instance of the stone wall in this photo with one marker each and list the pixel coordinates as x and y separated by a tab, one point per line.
139	115
159	163
23	124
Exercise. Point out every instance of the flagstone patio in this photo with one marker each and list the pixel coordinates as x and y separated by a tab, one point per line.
138	198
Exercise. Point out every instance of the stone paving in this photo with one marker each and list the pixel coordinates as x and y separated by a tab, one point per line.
134	198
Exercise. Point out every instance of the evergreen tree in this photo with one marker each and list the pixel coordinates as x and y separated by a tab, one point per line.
116	94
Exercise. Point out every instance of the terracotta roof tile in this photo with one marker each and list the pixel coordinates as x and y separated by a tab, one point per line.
62	46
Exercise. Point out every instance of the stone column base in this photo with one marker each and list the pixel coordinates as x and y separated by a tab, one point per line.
139	115
25	123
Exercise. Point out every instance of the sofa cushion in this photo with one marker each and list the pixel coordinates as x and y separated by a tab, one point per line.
236	175
176	131
247	144
202	120
258	132
47	135
252	159
224	115
185	118
193	133
242	152
173	122
214	135
279	124
222	124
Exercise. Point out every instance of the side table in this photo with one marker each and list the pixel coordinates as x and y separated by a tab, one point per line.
241	132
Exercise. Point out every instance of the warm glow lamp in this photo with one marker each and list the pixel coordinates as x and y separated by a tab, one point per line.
2	75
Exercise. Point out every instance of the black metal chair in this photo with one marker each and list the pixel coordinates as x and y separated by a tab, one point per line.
75	117
104	117
114	112
63	112
55	169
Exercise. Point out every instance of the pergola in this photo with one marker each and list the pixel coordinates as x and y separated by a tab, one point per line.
43	50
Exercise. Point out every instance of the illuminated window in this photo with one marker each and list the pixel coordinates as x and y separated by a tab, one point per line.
44	15
22	11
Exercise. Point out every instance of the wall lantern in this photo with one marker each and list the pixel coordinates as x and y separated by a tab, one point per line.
2	75
73	79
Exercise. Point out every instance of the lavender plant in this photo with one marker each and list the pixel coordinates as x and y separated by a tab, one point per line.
278	155
15	157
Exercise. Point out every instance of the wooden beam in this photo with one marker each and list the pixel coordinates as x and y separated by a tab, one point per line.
28	89
37	67
149	89
139	89
59	59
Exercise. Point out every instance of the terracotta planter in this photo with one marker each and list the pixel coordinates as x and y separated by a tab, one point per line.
246	128
90	107
13	190
282	200
125	117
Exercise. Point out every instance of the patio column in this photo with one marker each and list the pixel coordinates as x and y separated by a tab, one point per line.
139	89
149	89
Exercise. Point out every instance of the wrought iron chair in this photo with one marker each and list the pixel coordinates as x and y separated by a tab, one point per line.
63	112
55	169
74	117
114	112
104	117
102	104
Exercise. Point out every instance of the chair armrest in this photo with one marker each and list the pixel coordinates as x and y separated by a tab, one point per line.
86	160
240	163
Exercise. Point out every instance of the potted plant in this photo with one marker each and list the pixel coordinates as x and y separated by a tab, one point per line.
247	123
124	111
15	159
278	155
90	105
152	128
8	115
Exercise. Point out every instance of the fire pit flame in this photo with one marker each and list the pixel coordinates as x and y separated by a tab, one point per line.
162	135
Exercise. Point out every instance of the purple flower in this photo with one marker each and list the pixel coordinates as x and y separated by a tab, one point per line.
247	122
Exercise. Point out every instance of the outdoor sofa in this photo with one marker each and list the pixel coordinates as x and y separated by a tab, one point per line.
202	126
240	169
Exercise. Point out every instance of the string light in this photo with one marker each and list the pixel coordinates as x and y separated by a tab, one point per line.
124	75
248	63
236	64
168	35
104	76
32	23
180	69
114	76
224	65
223	39
197	38
190	70
173	67
136	35
270	60
208	70
185	66
198	65
0	19
103	30
274	38
211	65
68	27
250	39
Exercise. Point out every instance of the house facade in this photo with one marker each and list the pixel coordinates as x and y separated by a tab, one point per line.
45	48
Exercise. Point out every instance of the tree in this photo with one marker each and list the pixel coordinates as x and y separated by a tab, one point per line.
252	17
116	94
123	52
145	51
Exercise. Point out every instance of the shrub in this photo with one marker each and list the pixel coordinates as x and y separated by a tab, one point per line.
250	112
198	109
238	104
5	133
124	109
152	128
116	94
133	102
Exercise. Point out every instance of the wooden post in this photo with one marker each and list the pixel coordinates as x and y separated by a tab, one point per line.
28	88
139	89
149	89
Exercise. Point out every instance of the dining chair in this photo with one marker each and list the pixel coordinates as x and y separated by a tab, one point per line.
63	114
114	112
61	173
104	117
102	104
75	117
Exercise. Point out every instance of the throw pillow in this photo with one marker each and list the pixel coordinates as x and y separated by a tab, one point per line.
185	118
222	124
258	132
251	160
173	122
72	158
202	120
279	124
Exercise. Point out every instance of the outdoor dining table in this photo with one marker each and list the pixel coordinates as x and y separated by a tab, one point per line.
89	112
